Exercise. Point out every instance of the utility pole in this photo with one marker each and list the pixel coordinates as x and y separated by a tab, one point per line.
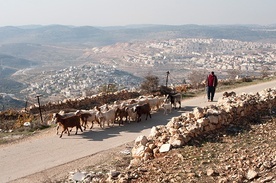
26	104
167	78
39	108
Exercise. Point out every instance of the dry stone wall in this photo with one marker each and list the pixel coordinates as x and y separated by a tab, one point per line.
88	102
180	130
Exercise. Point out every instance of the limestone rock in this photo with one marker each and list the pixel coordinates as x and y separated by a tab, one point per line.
251	174
165	148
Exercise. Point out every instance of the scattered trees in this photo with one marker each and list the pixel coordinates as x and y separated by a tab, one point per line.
150	83
108	88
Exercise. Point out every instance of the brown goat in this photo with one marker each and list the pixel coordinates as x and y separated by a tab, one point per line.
120	114
65	122
88	116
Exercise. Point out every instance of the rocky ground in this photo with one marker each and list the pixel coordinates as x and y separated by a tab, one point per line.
243	152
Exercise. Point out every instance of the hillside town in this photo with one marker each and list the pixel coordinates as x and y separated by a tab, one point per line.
79	81
211	54
111	65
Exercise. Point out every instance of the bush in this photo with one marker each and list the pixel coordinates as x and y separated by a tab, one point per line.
247	79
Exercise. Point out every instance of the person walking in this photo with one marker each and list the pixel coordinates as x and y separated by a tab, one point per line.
211	84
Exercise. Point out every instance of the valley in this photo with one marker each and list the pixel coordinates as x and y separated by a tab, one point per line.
63	65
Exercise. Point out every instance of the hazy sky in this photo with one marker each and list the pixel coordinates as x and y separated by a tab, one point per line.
126	12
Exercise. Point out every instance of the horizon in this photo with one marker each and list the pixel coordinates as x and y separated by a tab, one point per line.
108	13
31	26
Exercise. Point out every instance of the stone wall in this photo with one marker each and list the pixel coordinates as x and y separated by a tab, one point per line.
88	102
180	130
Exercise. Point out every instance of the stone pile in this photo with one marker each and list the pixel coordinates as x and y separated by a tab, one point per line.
180	130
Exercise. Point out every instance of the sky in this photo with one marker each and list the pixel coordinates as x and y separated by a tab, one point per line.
133	12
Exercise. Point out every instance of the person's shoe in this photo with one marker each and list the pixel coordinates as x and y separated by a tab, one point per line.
209	100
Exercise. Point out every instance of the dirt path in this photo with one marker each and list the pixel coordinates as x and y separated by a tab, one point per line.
38	159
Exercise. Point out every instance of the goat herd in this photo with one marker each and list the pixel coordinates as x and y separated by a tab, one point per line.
125	111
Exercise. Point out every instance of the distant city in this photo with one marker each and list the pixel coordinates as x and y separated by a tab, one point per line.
60	62
219	55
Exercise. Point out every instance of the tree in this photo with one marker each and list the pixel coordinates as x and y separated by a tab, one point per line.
264	71
108	88
197	77
150	83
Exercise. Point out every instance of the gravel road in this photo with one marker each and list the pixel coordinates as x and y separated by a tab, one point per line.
48	150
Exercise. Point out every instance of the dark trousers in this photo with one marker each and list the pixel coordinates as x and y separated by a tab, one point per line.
211	92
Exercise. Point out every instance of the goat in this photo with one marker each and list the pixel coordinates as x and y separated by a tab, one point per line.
132	115
63	114
88	116
65	122
167	107
142	109
106	117
122	113
175	98
154	103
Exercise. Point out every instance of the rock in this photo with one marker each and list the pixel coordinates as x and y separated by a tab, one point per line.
141	140
198	112
165	148
153	132
213	119
177	141
180	156
126	152
114	173
152	146
251	174
27	124
191	174
79	176
135	162
267	179
147	156
138	152
189	115
210	172
222	180
203	121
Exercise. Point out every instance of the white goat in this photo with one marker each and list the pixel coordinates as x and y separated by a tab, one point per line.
167	107
107	117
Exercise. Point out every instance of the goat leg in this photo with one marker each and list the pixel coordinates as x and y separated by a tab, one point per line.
92	125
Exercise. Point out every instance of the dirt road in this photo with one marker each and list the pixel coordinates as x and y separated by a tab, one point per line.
48	150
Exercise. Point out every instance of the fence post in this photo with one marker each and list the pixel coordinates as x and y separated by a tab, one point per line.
39	109
167	78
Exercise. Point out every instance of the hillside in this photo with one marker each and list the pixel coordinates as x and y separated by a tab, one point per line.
33	56
99	36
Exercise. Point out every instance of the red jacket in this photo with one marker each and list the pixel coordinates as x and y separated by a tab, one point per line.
212	80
